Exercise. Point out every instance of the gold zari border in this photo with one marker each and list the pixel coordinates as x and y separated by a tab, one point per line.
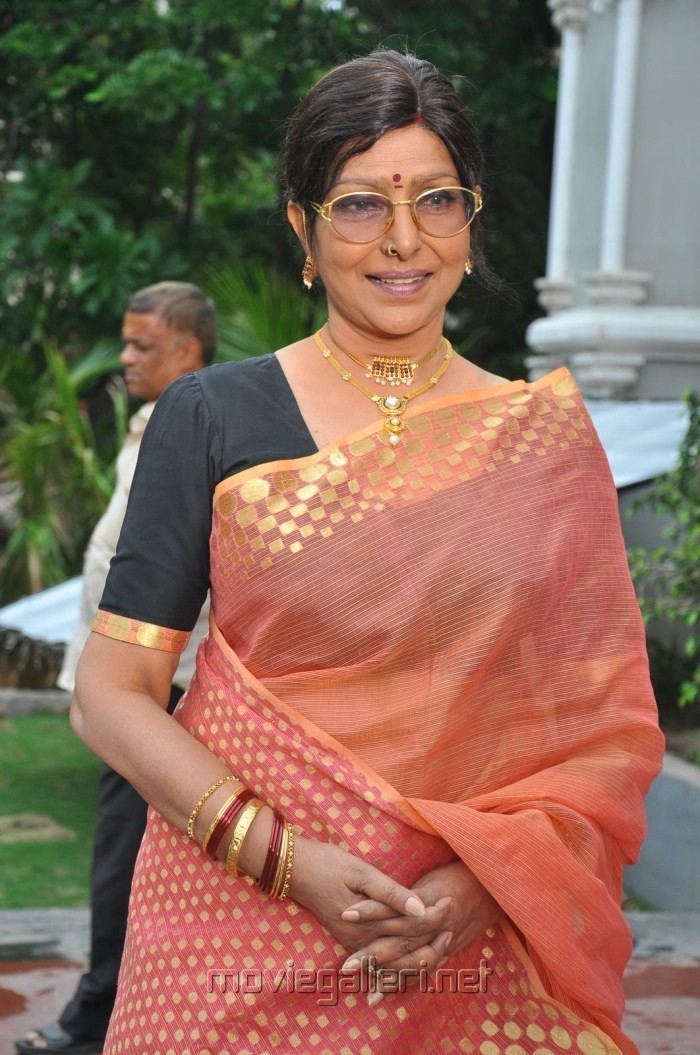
135	632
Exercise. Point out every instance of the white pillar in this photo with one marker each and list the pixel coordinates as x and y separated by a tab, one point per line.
617	180
612	283
556	289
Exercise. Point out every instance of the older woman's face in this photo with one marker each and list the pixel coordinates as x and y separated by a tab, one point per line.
400	282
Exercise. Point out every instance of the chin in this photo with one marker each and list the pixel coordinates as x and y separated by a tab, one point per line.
403	324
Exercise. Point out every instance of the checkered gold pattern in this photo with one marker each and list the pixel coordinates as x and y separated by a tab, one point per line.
274	511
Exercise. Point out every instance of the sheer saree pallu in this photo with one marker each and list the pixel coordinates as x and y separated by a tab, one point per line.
419	653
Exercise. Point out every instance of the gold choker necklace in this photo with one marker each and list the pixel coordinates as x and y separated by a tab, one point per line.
392	407
393	369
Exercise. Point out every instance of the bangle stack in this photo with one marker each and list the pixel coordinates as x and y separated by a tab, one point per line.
279	862
236	816
239	833
226	816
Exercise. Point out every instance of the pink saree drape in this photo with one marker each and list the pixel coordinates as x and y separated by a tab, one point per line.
418	653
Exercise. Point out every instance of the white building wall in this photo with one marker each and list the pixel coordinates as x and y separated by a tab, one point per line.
623	272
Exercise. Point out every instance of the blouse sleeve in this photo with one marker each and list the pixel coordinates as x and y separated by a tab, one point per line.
159	576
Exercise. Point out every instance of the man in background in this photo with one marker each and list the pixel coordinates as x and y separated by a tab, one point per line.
168	330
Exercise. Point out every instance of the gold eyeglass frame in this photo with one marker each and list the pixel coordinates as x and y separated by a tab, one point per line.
325	211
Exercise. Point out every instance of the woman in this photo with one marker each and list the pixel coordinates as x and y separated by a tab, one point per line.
424	652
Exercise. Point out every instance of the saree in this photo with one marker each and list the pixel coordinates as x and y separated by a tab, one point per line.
423	653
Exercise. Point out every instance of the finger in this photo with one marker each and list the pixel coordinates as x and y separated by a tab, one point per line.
383	951
408	971
379	887
442	943
406	935
428	926
367	911
423	960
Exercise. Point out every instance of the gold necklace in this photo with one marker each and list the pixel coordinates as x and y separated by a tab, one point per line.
393	369
392	407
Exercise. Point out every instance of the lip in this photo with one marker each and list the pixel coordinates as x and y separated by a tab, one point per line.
409	273
400	283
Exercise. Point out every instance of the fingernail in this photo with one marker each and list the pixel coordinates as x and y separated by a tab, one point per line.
353	964
375	998
443	902
414	906
447	938
350	915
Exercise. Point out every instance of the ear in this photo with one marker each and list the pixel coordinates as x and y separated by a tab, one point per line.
190	353
297	220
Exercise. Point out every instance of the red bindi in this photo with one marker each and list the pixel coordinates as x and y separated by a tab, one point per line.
396	177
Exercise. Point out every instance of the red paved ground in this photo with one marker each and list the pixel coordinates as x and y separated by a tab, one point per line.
663	1009
32	993
663	1006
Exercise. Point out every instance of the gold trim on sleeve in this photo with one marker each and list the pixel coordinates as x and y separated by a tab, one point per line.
136	632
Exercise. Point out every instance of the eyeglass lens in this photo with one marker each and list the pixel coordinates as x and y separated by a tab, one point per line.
441	213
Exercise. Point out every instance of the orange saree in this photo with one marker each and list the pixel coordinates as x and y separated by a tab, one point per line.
421	653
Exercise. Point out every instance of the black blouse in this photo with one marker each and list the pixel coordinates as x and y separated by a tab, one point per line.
206	426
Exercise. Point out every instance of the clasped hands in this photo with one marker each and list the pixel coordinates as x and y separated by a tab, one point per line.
383	922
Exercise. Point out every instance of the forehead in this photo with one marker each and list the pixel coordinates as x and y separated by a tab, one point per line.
145	326
413	152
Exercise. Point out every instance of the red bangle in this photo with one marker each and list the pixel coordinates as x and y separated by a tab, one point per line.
273	853
226	819
265	875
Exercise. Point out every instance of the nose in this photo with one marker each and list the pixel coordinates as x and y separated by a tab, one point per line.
404	234
128	355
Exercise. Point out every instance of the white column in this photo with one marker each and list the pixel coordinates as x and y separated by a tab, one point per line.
556	289
629	18
613	283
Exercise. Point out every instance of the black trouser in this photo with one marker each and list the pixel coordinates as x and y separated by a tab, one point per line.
121	819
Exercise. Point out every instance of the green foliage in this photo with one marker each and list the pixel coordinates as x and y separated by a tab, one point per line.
60	248
669	575
141	143
63	476
260	310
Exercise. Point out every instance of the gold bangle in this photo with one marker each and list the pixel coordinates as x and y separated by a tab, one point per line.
279	875
239	833
219	815
288	865
200	802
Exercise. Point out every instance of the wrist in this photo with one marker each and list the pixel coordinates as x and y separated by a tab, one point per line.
302	875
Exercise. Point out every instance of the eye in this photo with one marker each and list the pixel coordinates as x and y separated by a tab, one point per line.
360	207
438	200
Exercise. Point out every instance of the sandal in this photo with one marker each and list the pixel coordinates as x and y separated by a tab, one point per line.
54	1039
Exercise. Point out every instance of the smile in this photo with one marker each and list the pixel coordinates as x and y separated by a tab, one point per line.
401	284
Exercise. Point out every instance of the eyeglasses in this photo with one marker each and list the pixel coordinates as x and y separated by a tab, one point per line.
440	212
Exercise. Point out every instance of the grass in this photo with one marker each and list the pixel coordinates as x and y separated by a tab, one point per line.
45	769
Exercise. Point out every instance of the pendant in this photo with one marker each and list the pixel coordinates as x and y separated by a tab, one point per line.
392	407
391	370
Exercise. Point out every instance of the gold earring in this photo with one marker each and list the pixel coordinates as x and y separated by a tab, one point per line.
469	266
308	272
